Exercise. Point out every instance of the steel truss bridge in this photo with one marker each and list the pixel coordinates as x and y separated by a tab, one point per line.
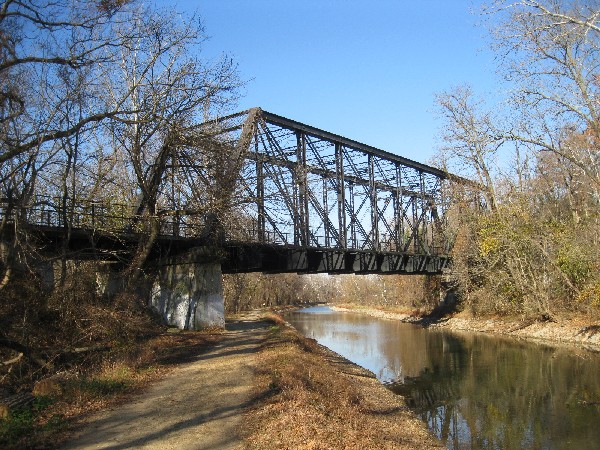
300	200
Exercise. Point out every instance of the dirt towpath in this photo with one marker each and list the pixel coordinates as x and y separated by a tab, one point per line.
197	406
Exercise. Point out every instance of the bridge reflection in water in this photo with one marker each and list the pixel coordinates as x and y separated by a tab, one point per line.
473	391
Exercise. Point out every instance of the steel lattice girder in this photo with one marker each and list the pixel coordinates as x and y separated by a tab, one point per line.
278	195
309	188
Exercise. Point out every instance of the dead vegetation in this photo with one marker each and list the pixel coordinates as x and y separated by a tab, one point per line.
89	382
308	398
71	328
304	397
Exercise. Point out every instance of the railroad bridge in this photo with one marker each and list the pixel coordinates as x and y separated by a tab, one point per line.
260	192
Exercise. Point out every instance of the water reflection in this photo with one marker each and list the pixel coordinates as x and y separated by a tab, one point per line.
473	391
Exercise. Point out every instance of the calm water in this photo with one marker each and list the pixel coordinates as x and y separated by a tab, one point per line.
473	391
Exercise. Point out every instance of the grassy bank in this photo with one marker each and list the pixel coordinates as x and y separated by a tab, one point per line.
309	398
305	397
71	396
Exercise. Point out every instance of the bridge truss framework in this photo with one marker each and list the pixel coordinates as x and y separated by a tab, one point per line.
333	204
300	199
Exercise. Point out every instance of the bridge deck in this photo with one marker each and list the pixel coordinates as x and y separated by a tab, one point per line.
236	257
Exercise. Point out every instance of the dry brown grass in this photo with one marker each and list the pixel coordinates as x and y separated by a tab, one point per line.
118	376
303	401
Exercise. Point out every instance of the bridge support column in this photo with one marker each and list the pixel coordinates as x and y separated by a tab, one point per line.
188	292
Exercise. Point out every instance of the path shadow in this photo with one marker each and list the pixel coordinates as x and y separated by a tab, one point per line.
199	351
246	325
159	433
241	337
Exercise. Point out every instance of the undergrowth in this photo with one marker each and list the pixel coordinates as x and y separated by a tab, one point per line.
24	426
119	374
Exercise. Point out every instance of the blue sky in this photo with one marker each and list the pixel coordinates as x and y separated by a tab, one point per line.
367	70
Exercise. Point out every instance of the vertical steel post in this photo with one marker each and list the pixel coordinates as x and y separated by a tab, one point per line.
326	214
341	196
374	208
424	212
354	242
301	179
260	198
415	224
398	210
295	201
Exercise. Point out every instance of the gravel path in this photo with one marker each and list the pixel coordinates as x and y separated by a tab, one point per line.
197	406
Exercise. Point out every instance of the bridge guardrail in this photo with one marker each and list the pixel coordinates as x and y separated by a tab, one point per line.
116	218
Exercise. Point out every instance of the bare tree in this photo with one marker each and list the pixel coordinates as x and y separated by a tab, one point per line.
551	52
167	89
98	100
39	41
52	56
536	249
471	138
100	96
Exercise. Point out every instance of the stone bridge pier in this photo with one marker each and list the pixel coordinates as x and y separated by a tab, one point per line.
188	290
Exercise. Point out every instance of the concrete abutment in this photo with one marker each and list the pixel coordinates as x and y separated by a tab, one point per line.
185	290
188	290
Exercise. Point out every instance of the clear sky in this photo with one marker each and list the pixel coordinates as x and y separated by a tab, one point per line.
365	69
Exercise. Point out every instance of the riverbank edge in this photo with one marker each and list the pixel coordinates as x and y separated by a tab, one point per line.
303	385
567	332
368	397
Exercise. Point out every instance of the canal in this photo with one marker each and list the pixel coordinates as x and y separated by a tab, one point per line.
473	391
